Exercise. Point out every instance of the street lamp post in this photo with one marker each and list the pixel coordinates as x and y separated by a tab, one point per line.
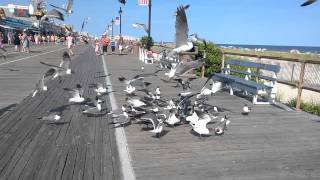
149	23
112	22
120	12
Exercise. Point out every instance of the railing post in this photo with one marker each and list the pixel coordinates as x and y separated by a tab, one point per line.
222	61
300	85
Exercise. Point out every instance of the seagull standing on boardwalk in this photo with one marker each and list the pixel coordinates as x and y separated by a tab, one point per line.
220	129
246	109
95	109
68	10
76	94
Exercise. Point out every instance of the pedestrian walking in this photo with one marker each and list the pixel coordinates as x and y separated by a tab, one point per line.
25	42
97	47
113	46
70	41
2	46
105	43
16	42
9	35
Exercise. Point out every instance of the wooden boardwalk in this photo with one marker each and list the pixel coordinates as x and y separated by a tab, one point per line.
81	148
270	143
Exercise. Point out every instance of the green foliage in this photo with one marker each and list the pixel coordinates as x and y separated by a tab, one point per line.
146	42
213	56
312	108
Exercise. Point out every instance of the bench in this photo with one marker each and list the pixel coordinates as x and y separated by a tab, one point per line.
251	80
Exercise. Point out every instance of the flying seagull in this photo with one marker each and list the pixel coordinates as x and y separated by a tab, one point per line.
94	109
140	25
68	9
63	68
308	2
182	30
122	2
53	14
184	67
196	39
40	86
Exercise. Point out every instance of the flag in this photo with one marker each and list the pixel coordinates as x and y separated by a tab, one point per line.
143	2
117	21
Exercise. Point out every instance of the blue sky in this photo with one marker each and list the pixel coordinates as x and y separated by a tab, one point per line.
265	22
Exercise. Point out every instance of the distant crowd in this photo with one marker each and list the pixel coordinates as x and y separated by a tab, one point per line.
21	41
104	43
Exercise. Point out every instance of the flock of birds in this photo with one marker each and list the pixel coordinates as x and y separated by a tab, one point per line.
88	106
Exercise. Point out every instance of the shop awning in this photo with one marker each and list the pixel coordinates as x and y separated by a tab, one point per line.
6	27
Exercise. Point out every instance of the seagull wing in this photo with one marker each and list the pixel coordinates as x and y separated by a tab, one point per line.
57	7
69	6
308	2
51	65
122	1
49	72
54	13
152	118
181	27
183	68
143	26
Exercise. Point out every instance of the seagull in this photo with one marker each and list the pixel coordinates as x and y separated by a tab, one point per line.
99	89
196	39
63	68
137	82
40	86
122	2
246	109
219	130
95	109
53	118
156	122
182	44
157	91
76	94
194	116
200	126
172	118
140	25
135	102
184	67
53	14
129	89
308	2
68	10
206	92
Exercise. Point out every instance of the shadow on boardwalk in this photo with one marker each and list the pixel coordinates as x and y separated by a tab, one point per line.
81	148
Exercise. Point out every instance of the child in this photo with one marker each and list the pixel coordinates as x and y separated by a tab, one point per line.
97	46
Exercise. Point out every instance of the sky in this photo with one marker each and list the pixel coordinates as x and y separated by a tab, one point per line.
257	22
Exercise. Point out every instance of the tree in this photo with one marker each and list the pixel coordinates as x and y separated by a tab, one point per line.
213	56
146	42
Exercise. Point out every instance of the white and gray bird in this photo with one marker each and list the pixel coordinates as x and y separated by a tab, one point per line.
68	9
94	109
182	44
76	94
172	118
53	13
246	109
99	88
200	126
40	86
142	26
222	127
63	68
183	68
157	123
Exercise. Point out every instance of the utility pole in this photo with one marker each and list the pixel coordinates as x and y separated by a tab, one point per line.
149	24
120	12
112	21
